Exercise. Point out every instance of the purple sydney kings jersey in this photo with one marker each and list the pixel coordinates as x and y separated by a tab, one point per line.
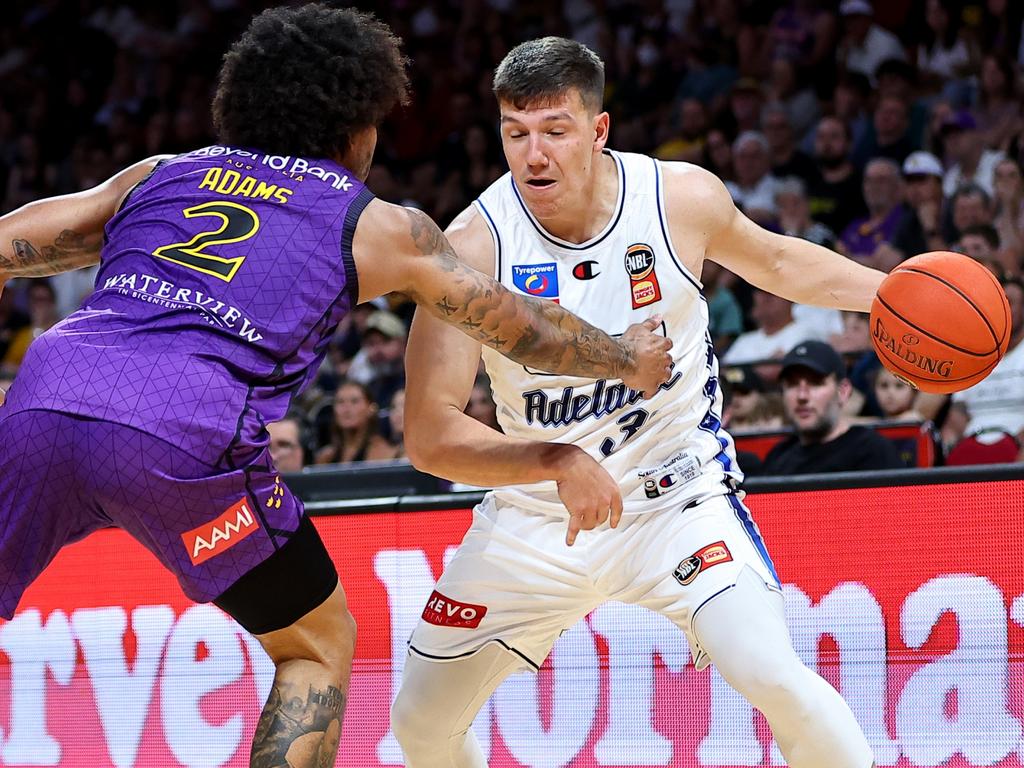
222	279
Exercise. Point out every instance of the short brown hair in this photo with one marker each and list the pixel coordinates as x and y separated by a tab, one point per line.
541	70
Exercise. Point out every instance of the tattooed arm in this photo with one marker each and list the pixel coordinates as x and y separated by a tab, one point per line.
63	233
401	249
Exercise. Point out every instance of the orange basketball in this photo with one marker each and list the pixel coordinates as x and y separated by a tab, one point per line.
940	321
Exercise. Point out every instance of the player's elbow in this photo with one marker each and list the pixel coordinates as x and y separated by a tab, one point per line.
422	447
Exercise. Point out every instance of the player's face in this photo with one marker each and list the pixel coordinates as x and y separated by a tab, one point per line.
551	149
813	402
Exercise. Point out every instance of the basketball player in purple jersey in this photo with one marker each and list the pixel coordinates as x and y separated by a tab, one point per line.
223	274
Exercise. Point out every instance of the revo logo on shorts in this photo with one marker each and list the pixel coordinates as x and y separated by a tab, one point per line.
213	538
444	612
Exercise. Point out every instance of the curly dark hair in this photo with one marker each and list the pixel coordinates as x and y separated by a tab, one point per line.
301	81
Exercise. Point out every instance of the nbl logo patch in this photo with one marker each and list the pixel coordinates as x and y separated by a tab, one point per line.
643	280
539	280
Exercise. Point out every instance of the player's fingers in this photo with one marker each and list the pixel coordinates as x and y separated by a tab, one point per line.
616	508
652	322
601	513
574	529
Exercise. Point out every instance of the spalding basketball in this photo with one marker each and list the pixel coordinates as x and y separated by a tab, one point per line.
940	321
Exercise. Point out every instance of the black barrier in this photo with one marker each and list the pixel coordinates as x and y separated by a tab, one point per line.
397	486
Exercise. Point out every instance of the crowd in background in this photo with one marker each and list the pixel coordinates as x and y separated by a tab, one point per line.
880	131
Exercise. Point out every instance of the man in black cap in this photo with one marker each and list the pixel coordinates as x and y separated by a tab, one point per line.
814	390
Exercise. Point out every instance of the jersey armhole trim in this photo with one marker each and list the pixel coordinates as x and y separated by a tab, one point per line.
139	183
494	236
348	231
662	218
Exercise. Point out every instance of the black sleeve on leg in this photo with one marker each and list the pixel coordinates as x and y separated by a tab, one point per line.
284	587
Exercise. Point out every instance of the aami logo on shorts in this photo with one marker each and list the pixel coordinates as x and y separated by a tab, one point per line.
216	536
537	279
709	556
444	612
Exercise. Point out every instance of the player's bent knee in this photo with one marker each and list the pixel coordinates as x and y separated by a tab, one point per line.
294	604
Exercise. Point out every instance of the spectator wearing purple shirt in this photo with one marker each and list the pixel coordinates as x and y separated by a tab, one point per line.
883	194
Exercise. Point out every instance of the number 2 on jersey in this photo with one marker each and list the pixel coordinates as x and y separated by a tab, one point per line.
629	425
238	223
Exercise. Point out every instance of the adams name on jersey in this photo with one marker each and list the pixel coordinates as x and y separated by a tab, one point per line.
664	451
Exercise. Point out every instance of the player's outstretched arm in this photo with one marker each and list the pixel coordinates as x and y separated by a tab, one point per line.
401	249
63	233
790	267
441	365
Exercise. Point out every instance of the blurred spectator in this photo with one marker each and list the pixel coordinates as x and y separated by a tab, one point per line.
969	206
776	331
353	430
743	111
864	44
966	155
749	405
922	229
396	423
998	111
888	135
6	379
786	159
850	101
814	390
379	364
981	243
894	396
688	143
481	405
897	79
725	317
883	194
803	33
1009	214
993	410
42	312
942	55
718	155
11	321
788	91
754	187
836	196
794	213
287	447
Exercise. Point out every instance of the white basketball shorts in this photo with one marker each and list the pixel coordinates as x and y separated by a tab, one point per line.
513	580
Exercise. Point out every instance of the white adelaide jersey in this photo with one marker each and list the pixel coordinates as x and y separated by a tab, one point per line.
665	451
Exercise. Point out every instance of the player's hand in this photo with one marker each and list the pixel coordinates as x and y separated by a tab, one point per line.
653	363
588	492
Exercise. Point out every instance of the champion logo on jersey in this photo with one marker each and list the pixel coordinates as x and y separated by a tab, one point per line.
643	280
585	270
539	280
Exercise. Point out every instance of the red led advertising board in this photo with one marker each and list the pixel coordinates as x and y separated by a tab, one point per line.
910	600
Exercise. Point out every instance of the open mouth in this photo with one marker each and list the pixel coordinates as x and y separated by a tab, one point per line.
540	183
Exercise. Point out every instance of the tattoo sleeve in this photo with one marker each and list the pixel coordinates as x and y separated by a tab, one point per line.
299	729
71	250
530	331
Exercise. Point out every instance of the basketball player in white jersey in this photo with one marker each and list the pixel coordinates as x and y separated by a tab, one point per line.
615	238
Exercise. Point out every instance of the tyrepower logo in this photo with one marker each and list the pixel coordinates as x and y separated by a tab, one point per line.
213	538
445	612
